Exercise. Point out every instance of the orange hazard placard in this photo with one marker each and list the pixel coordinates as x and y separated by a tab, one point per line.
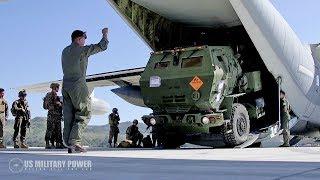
196	83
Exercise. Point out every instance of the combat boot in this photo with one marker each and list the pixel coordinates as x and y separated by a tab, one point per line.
52	145
24	145
60	146
15	144
2	146
76	149
285	145
48	145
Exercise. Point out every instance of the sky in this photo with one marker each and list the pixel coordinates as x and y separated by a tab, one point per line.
33	34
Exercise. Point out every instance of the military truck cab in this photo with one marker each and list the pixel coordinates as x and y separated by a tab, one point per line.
201	90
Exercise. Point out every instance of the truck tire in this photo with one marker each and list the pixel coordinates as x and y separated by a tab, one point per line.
237	131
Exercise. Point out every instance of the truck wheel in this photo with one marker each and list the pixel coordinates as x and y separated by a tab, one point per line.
237	131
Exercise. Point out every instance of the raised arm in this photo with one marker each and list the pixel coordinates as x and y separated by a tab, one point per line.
96	48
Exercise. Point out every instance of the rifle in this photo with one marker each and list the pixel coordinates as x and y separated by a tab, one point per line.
27	115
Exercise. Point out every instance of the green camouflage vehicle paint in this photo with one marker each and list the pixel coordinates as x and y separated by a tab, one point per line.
183	86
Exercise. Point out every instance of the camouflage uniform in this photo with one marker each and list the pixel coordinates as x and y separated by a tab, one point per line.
134	135
285	118
75	92
54	118
22	119
114	129
3	118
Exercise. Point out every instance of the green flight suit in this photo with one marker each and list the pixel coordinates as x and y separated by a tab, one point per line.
3	116
76	100
285	118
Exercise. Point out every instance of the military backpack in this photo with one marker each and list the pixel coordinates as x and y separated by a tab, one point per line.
44	103
13	110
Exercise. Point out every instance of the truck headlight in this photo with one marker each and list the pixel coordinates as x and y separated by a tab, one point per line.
153	121
205	120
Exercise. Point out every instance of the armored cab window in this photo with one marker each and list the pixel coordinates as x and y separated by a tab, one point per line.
162	65
192	62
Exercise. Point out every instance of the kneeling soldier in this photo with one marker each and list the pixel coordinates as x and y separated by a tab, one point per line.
133	134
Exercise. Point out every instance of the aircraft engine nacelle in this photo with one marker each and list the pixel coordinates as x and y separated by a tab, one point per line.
131	94
99	107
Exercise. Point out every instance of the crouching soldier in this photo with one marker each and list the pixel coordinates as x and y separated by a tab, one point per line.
133	134
20	110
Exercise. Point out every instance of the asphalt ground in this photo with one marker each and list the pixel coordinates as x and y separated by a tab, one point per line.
194	163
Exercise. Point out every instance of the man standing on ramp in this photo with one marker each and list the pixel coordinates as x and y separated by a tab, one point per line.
285	118
76	99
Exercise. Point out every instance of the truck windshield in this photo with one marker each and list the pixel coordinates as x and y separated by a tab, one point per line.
192	62
162	65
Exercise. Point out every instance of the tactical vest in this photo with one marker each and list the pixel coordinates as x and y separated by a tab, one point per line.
50	100
2	105
20	104
114	119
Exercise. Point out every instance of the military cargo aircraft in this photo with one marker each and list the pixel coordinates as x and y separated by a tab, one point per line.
216	72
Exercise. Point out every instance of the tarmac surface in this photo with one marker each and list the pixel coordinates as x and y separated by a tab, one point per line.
250	163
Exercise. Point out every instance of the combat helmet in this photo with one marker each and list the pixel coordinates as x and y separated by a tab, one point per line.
54	85
135	122
115	110
22	93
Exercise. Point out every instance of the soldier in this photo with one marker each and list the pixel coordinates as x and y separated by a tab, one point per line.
3	116
76	107
53	104
133	134
20	110
285	117
157	134
114	129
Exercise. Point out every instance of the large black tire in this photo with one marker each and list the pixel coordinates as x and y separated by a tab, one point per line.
237	131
